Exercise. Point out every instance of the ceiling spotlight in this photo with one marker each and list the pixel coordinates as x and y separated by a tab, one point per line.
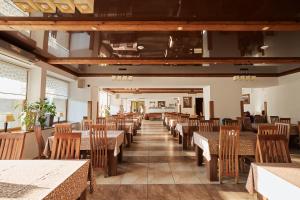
265	28
140	47
94	28
264	47
179	28
171	43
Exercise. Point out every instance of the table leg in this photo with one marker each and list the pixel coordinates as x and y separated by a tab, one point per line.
212	168
179	139
112	163
131	138
120	155
199	156
128	137
83	195
184	142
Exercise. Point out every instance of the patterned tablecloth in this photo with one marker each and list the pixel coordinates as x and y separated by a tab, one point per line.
43	179
209	143
183	128
275	181
115	140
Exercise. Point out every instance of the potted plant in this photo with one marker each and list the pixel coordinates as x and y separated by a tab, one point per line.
41	112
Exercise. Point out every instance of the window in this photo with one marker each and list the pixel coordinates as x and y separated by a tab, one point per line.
57	92
13	85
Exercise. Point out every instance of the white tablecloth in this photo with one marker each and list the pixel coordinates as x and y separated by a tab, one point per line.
182	127
115	140
275	181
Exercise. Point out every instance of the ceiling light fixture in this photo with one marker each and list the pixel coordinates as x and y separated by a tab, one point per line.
264	47
45	6
65	6
140	47
94	28
121	78
25	5
179	28
265	28
85	6
244	75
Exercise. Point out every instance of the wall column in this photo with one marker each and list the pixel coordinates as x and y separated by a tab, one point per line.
36	84
95	99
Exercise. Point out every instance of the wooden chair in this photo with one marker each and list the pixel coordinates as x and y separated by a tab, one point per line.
99	147
234	123
228	152
205	126
284	129
216	124
285	120
11	146
272	149
201	118
40	141
101	120
274	119
246	124
184	118
63	128
258	119
111	123
66	146
121	123
265	129
193	122
85	125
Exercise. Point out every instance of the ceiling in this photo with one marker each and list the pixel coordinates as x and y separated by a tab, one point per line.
166	38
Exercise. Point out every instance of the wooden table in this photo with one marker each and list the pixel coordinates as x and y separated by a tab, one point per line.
115	148
274	181
185	134
207	146
43	179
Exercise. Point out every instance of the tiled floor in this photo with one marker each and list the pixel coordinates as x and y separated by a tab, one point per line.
156	168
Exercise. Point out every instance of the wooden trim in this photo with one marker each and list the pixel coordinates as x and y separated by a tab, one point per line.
242	108
211	109
46	41
176	75
98	24
159	61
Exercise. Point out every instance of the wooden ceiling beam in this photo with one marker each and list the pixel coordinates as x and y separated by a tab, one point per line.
148	61
154	90
96	24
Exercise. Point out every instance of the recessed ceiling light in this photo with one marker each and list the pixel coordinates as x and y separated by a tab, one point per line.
264	47
94	28
265	28
179	28
140	47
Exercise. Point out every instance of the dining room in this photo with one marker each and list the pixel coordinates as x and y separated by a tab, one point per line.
175	99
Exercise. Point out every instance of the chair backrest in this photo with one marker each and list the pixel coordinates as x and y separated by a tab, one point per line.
283	129
285	120
205	126
129	118
85	125
216	124
259	119
63	128
184	118
193	122
111	123
11	146
101	120
99	143
266	129
39	139
229	145
66	146
246	124
120	123
201	118
274	119
272	149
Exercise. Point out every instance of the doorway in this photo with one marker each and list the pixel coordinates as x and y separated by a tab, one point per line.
199	106
138	106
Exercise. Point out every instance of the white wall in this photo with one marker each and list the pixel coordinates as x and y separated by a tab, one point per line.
283	99
225	92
